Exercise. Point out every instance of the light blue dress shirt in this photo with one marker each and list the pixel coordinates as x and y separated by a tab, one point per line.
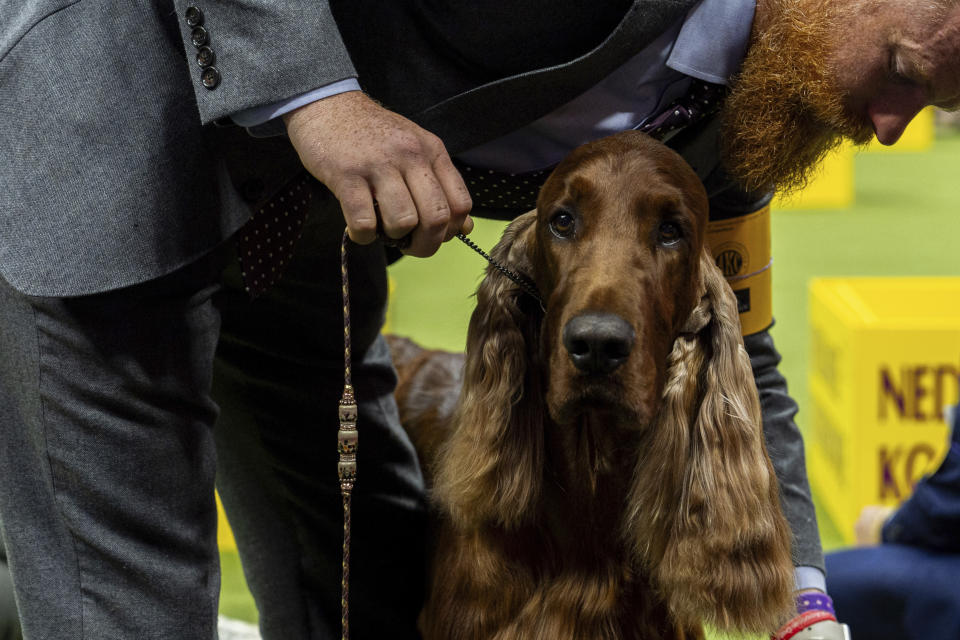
707	44
260	116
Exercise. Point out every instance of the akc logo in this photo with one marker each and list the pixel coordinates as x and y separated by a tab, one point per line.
731	258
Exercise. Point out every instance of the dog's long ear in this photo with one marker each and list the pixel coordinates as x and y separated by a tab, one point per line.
489	471
707	521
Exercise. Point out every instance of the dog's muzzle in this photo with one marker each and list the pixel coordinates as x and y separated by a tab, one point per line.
598	343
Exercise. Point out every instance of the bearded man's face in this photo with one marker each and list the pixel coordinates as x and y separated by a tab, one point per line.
821	71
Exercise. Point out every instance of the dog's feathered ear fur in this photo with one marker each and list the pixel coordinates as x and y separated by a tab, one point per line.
706	519
489	471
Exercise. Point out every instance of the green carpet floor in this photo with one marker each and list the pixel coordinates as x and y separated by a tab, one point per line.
906	221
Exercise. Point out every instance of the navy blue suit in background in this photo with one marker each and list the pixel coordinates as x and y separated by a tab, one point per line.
907	588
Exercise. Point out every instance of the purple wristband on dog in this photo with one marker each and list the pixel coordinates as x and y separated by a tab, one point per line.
814	602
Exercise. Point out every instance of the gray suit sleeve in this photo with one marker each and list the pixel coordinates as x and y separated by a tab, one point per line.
785	446
264	51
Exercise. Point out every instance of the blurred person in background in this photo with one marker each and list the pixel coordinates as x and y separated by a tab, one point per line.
901	583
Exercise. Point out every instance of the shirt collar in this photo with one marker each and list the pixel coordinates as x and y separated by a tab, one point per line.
713	40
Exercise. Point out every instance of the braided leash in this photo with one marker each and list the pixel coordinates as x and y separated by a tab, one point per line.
347	438
521	280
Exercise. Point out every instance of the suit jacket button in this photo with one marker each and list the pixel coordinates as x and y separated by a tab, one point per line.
205	57
194	17
210	77
199	36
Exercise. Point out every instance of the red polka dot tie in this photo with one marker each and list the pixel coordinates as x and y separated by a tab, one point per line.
265	244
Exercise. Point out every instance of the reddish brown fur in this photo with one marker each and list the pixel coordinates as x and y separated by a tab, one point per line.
428	382
635	505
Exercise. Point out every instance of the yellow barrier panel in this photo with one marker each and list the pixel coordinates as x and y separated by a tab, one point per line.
388	317
224	534
884	362
833	185
918	136
830	188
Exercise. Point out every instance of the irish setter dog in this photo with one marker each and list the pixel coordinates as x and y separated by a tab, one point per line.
603	474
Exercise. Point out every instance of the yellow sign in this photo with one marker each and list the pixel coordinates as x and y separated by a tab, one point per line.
884	363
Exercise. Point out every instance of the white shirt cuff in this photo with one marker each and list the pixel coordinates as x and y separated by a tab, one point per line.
257	116
809	578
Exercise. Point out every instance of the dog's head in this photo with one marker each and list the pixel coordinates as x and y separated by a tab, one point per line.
616	252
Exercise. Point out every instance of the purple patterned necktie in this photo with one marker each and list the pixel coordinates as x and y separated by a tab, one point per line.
703	99
265	243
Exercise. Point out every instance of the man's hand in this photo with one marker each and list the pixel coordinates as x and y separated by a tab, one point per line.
868	527
367	155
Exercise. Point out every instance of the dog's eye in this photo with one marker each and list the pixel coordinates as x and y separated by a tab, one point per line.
669	234
563	224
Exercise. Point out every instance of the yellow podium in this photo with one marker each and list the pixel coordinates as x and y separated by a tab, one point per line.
224	534
919	136
833	185
884	363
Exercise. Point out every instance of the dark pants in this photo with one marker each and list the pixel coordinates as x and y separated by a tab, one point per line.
896	592
119	411
9	619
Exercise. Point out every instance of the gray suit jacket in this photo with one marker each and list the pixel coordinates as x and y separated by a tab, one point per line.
113	171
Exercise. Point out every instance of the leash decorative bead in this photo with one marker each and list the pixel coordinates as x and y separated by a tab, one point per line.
347	440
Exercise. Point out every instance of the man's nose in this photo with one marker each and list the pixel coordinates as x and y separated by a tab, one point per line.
893	109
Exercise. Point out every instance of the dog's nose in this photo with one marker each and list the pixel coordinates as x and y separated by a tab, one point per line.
598	342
